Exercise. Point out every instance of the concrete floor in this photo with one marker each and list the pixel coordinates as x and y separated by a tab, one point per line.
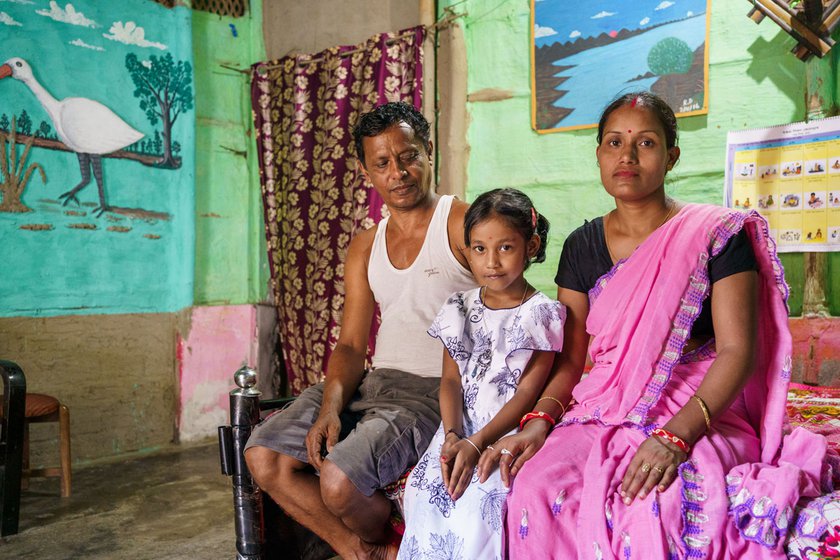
172	504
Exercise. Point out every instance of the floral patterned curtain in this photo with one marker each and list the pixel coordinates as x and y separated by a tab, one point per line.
314	198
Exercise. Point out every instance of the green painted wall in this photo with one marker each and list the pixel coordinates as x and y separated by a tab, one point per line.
230	255
754	81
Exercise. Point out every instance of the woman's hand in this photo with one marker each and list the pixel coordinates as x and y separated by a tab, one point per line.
511	452
457	463
655	463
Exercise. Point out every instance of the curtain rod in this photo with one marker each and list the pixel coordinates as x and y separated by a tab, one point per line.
443	22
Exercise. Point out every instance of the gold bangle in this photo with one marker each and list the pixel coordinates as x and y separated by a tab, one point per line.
468	440
706	416
563	408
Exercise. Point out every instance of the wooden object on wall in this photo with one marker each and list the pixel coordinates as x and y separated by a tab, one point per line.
233	8
810	22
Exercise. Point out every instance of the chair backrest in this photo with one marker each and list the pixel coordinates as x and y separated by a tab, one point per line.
11	445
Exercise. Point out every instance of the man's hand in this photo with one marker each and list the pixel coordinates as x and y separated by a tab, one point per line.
322	436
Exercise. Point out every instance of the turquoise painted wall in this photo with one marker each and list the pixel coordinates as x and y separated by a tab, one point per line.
231	265
754	81
65	259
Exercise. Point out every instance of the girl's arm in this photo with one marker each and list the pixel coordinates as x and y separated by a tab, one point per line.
451	399
470	449
565	374
734	311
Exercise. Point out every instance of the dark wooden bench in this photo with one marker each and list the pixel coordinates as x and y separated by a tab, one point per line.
263	530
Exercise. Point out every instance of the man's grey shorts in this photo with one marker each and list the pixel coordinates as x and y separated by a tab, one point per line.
385	428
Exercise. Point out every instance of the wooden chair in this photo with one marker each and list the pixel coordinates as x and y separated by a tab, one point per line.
45	408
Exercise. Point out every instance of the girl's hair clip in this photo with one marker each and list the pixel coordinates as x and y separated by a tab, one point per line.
533	217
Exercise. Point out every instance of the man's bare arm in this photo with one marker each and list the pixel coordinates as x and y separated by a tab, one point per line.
346	366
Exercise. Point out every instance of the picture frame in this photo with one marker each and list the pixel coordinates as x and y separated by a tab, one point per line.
583	56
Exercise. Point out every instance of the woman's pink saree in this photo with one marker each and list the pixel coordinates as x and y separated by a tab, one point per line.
735	495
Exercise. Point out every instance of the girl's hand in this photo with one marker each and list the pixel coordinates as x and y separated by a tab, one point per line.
655	463
520	447
448	451
458	467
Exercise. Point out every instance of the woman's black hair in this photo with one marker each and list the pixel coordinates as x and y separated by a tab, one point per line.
517	209
652	103
385	116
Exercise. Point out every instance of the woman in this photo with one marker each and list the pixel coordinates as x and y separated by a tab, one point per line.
673	446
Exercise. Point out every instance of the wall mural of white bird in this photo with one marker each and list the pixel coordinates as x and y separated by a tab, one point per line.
87	127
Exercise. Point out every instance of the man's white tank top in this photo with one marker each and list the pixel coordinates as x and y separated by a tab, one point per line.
409	299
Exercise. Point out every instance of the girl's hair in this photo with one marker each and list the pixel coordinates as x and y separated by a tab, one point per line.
516	209
652	103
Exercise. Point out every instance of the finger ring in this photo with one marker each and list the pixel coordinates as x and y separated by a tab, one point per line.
645	468
506	452
659	468
491	448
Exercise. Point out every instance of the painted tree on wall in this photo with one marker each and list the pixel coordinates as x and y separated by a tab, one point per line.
164	88
670	56
13	171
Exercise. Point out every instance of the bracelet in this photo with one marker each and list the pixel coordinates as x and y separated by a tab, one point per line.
706	416
676	440
468	440
563	408
532	415
454	431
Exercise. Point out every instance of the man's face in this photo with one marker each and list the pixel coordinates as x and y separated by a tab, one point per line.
398	166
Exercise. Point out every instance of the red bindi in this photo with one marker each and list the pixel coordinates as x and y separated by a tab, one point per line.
629	131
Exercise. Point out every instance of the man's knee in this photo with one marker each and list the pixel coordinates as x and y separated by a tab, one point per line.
338	492
268	467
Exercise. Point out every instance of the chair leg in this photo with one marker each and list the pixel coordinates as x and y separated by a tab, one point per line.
64	443
24	475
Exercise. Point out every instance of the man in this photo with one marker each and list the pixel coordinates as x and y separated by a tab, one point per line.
409	264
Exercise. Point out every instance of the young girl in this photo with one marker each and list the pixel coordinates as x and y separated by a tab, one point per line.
499	344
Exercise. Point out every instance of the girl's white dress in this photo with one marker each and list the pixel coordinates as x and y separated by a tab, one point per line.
491	348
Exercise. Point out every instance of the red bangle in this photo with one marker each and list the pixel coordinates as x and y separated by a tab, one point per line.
676	440
531	415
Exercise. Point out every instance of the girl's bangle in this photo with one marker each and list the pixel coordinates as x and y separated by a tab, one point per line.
676	440
454	431
706	416
468	440
532	415
562	408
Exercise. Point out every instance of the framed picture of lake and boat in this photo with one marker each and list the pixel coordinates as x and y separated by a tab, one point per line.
584	54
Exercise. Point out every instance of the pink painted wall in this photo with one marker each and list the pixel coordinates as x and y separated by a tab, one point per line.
816	350
219	340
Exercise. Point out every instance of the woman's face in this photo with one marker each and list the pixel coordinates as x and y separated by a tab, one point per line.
633	154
